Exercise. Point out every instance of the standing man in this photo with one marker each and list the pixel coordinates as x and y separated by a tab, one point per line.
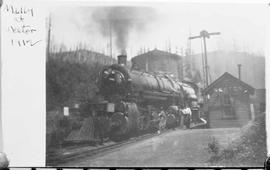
162	120
181	119
98	127
187	115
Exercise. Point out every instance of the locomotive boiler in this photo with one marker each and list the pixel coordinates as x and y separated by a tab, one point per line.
132	100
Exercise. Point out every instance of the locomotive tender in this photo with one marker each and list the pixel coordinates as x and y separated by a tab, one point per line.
132	100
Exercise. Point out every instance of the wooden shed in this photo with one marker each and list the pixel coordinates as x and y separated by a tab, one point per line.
228	102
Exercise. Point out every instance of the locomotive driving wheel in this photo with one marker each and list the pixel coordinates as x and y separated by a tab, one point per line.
143	123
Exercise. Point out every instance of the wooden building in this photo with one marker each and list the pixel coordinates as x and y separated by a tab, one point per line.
159	61
229	102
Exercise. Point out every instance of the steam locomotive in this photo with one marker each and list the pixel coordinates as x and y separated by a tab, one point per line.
132	100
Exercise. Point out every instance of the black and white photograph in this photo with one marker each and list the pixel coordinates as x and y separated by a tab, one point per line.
156	84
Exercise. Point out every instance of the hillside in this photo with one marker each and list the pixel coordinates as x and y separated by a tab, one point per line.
83	56
253	66
71	77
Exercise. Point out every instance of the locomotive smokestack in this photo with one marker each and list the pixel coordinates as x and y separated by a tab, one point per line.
122	58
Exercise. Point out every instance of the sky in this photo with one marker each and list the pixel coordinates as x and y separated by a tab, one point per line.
164	26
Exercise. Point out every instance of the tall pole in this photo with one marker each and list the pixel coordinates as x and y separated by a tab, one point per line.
1	57
169	45
189	51
49	38
146	63
204	34
203	64
110	31
239	71
206	62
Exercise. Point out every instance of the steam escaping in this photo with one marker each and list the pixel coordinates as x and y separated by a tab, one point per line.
118	22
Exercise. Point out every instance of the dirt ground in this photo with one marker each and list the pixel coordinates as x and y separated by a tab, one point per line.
179	148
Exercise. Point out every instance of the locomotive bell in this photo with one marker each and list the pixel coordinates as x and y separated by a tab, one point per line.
122	59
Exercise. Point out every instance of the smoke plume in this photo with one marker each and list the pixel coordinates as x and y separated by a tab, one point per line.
120	21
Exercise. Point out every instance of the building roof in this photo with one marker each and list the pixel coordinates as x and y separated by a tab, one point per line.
227	76
159	53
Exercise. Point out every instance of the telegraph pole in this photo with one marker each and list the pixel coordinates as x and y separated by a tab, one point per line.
205	61
110	32
204	34
49	37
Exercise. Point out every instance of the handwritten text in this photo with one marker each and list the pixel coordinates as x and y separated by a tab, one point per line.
23	18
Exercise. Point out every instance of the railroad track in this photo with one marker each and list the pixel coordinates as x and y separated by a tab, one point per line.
55	160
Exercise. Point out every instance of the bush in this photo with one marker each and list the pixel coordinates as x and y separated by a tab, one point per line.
54	133
214	146
69	82
248	150
59	127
